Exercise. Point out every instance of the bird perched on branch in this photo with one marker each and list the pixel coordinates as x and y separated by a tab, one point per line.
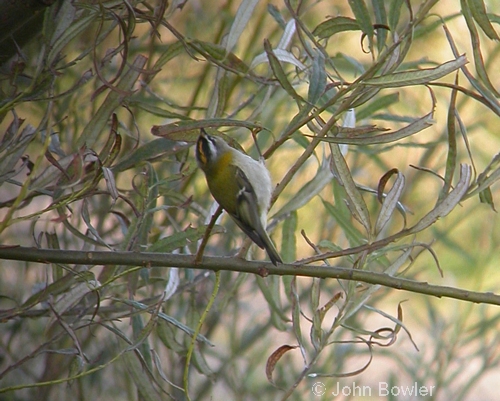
241	185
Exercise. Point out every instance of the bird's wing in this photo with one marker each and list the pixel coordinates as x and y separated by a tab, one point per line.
248	217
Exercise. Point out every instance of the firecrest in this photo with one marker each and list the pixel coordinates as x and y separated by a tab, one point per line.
241	185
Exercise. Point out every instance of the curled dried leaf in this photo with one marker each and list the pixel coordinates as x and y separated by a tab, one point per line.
274	359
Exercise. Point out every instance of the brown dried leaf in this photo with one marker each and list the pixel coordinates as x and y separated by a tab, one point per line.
274	359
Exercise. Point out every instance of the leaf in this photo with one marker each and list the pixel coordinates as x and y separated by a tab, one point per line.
67	33
243	15
363	17
379	103
171	52
448	203
287	36
485	196
380	20
276	14
169	319
394	13
451	159
147	152
73	297
289	241
411	129
271	292
476	49
142	380
151	107
181	239
110	182
193	125
342	216
317	78
311	189
280	74
14	147
51	175
355	199
86	219
274	359
282	55
478	10
335	25
114	99
489	98
417	77
220	55
390	203
111	149
296	317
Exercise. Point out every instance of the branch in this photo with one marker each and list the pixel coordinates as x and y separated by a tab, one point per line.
148	259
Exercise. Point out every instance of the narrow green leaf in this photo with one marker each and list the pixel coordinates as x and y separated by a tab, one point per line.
478	10
489	98
152	108
379	103
289	240
141	333
144	153
355	199
487	181
166	334
169	319
417	77
181	239
114	99
448	203
201	364
311	189
485	196
14	149
451	159
476	50
317	79
86	219
219	54
282	55
53	243
270	289
394	14
296	316
142	381
411	129
218	97
380	19
342	216
192	125
74	29
241	19
363	17
335	25
280	75
172	50
390	203
276	14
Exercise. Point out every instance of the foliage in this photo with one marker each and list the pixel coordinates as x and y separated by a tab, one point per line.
376	119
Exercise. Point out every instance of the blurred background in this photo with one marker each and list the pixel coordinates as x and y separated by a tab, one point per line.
101	103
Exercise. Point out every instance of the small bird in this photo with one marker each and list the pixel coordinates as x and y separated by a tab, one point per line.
241	185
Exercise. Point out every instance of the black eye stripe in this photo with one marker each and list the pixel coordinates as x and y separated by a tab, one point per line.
205	149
